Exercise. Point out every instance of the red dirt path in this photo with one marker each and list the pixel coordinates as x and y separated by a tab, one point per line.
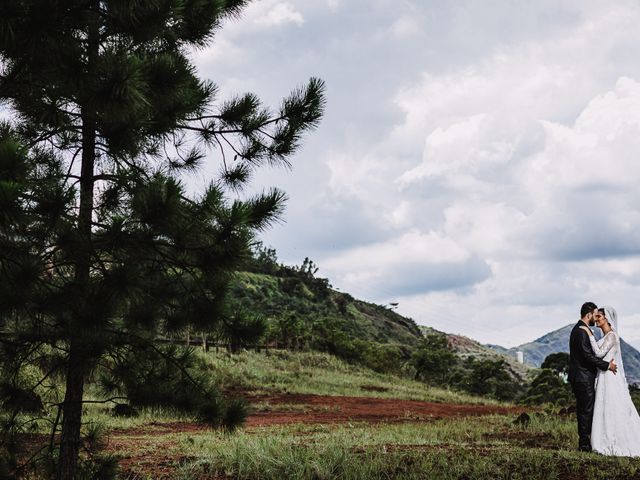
314	409
330	409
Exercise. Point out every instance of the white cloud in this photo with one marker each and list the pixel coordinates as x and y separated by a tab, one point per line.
487	228
411	262
601	147
571	233
224	52
463	147
235	45
413	246
405	26
281	13
583	182
400	215
334	5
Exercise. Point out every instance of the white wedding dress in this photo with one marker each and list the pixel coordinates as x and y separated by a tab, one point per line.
616	424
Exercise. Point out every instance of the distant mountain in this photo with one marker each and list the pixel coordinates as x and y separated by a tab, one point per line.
466	347
498	348
558	341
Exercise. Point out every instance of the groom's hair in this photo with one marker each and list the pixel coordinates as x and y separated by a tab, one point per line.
587	307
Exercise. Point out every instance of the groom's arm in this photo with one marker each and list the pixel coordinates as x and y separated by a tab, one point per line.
587	352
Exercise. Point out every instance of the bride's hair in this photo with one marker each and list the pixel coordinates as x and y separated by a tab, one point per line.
604	313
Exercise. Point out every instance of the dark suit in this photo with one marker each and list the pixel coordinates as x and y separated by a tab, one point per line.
583	367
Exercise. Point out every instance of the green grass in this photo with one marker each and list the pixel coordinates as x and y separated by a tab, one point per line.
476	448
321	374
101	415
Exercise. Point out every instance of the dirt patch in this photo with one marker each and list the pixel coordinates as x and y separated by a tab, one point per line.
150	451
362	409
310	409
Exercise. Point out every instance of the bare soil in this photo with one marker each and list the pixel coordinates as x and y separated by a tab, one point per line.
331	409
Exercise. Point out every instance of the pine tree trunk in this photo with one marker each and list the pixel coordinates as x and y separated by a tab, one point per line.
72	419
78	358
79	331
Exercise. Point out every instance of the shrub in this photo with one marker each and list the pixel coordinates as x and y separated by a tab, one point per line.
548	387
434	361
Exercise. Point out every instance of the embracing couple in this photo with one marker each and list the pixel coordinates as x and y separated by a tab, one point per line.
608	422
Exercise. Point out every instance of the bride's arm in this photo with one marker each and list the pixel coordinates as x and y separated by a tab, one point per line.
608	343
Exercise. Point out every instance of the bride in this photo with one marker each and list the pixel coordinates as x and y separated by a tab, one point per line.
616	424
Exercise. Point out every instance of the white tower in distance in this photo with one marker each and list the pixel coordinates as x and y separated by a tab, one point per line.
520	356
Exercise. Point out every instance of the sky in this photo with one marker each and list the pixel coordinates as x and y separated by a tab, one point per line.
478	161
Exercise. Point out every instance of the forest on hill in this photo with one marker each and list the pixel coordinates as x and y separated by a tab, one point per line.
291	307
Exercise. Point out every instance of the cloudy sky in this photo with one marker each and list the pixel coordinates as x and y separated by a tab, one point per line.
478	160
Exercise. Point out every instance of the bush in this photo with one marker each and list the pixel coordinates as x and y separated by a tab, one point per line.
488	378
548	387
241	328
174	377
381	358
558	362
434	361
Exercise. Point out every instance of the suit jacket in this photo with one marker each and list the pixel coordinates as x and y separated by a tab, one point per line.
583	363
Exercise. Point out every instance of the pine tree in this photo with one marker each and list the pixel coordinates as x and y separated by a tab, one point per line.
101	247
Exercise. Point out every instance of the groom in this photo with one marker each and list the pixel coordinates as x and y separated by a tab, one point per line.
583	365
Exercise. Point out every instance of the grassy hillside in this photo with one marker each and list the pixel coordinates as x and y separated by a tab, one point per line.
321	374
274	297
304	313
307	301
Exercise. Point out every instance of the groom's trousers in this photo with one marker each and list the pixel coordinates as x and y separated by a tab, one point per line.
585	398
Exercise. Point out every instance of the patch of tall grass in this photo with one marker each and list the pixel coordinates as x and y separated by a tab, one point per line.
473	448
321	374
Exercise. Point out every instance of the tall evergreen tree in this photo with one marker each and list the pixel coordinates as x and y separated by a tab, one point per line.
101	248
